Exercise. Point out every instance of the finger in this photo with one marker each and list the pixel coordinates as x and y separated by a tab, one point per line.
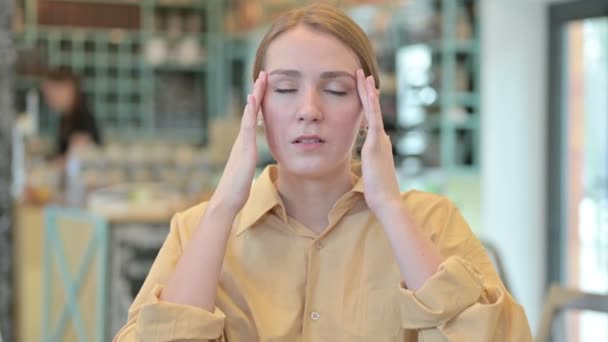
259	90
249	117
375	114
362	90
249	109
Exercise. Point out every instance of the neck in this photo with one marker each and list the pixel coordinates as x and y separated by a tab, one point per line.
309	200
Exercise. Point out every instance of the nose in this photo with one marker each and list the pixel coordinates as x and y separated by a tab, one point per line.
310	109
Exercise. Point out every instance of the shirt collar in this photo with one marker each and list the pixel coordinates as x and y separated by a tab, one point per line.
264	197
356	169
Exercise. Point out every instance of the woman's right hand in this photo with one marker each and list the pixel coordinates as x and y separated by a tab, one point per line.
189	283
234	186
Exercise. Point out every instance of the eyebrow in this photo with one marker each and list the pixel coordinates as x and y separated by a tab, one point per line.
324	75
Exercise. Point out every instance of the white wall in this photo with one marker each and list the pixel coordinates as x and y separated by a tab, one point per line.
513	149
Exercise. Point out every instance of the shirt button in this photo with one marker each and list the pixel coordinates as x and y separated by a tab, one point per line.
314	316
319	245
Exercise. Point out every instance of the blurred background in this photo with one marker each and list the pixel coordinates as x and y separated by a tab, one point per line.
114	114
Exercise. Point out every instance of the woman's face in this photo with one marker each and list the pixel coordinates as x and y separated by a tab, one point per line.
311	109
59	95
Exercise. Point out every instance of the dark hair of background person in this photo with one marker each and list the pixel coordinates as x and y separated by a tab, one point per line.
79	118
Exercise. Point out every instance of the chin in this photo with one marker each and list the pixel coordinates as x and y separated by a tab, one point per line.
312	168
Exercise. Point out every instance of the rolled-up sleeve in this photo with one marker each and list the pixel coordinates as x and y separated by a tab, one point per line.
447	293
163	321
152	320
465	299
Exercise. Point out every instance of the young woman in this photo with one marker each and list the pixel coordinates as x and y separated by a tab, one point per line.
77	126
319	248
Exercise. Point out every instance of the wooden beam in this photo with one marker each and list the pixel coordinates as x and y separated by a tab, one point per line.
7	58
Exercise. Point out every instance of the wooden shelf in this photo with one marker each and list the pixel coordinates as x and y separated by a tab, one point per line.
114	61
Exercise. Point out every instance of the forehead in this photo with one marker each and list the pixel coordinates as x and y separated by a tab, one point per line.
308	50
57	84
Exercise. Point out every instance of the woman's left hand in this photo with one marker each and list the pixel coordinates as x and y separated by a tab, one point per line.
378	169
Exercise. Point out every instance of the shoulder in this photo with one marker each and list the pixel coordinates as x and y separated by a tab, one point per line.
434	214
185	222
418	201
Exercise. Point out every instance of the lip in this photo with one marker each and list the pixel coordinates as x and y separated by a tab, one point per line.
307	137
308	146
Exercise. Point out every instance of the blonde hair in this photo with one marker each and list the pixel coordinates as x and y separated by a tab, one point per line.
326	19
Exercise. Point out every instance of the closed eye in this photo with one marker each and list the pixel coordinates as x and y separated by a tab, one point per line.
285	91
336	92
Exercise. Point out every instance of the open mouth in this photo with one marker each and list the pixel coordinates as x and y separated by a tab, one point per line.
308	141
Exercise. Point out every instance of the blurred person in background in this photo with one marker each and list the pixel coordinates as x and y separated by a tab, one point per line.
63	93
320	248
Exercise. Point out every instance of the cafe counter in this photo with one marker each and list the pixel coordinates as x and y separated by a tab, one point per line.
122	238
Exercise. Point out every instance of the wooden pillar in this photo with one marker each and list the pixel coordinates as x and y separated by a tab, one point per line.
7	59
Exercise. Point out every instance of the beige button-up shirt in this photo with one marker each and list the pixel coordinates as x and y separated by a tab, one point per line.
282	282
